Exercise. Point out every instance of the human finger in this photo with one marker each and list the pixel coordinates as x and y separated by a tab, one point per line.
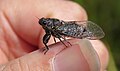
79	56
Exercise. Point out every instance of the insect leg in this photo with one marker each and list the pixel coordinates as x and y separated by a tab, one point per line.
45	41
66	40
63	38
62	42
57	35
54	39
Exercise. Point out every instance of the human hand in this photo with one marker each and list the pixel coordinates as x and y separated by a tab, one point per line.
20	34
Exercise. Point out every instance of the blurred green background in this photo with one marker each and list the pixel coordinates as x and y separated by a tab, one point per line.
106	13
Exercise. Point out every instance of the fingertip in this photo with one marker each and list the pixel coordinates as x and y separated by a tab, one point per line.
68	11
71	59
79	56
102	51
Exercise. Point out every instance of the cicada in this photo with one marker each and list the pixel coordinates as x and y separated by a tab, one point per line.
75	29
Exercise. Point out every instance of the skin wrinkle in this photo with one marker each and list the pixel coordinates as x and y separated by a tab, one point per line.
26	66
6	67
20	65
2	67
8	54
7	19
10	67
2	47
19	21
9	50
26	43
5	55
5	52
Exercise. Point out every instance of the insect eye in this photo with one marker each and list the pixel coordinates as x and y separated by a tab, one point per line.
44	22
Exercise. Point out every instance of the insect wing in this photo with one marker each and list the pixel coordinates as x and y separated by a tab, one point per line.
81	29
94	30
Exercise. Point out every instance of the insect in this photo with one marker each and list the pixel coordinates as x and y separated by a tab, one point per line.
76	29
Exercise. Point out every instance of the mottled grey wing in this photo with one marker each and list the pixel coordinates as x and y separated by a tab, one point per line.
81	29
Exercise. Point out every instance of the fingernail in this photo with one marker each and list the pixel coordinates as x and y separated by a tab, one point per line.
79	57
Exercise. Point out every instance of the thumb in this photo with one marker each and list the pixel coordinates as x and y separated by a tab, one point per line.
72	58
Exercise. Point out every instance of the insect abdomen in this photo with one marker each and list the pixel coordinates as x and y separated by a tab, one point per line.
71	30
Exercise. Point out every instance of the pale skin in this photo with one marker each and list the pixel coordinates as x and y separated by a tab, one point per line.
21	34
